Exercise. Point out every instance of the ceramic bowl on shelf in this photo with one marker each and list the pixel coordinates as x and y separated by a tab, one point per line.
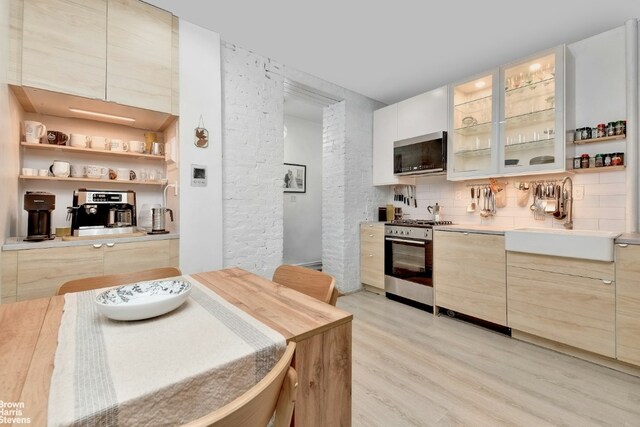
541	160
143	300
511	162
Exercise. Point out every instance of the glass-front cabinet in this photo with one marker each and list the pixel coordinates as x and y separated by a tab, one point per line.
520	108
472	132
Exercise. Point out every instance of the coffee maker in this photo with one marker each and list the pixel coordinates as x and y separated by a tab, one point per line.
39	205
100	212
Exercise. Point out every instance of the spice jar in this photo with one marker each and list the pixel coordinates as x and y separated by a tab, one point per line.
586	133
621	127
584	161
599	161
577	135
607	159
576	163
616	160
611	128
602	130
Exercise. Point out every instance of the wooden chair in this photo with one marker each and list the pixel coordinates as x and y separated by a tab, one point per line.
97	282
275	392
311	282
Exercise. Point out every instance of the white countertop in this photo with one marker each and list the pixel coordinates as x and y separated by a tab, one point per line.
17	243
629	239
474	228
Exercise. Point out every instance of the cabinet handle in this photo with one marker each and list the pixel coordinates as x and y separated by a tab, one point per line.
370	255
370	235
622	245
97	245
465	233
111	244
370	225
607	282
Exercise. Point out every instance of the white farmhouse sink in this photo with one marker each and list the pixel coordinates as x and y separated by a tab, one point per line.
585	244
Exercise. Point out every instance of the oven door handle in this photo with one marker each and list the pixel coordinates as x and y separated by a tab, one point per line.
415	242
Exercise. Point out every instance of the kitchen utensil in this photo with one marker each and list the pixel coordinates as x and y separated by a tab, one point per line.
436	211
477	197
33	131
158	219
415	200
522	197
472	206
485	203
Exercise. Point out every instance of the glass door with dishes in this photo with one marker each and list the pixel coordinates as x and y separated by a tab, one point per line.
532	116
472	132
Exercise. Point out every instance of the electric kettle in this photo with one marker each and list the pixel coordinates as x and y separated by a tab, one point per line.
157	220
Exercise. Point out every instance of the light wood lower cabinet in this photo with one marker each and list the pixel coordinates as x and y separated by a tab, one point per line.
565	300
136	256
469	274
37	273
372	254
628	304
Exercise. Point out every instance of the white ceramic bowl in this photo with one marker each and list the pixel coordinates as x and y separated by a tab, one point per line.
143	300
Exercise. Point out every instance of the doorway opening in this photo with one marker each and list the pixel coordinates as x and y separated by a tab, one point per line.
302	172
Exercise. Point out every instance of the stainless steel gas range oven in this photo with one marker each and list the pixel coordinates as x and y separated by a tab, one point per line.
408	260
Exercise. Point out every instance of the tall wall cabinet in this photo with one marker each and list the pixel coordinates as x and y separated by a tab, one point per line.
115	50
509	121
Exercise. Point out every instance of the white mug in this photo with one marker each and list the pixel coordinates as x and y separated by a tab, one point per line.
60	168
119	145
99	143
97	172
78	171
79	140
33	131
43	172
123	174
136	146
28	171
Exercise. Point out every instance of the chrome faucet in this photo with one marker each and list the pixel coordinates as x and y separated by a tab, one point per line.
568	224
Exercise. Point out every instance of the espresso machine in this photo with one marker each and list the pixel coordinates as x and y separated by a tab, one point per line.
102	212
39	206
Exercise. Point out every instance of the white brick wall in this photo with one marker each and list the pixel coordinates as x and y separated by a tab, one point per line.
253	153
603	206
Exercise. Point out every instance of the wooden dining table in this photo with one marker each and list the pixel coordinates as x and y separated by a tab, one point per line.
29	338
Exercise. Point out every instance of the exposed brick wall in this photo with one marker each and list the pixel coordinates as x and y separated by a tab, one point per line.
253	153
252	157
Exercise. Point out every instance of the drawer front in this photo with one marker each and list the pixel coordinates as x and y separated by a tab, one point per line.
572	266
371	232
42	271
372	254
470	276
136	256
573	310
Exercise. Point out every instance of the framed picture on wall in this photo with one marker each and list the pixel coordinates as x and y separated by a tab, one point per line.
295	178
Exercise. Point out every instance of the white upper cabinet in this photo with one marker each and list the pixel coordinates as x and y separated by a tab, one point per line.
420	115
139	56
64	46
510	121
423	114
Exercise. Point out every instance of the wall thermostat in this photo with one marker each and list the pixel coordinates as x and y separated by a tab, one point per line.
198	176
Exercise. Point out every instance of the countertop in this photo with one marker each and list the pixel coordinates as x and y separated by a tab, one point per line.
629	238
474	228
17	244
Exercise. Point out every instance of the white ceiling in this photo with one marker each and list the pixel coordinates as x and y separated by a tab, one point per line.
391	50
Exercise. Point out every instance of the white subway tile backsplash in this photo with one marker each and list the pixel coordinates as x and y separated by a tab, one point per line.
610	213
617	201
604	189
608	177
612	224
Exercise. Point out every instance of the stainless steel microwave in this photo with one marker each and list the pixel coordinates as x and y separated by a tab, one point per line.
420	155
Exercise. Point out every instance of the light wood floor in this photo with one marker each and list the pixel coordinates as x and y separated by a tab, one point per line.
413	369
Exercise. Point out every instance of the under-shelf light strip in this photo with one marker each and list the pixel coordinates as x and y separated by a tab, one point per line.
102	115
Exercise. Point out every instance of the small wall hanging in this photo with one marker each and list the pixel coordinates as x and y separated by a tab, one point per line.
201	135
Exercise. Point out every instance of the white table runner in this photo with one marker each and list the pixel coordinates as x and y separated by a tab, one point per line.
163	371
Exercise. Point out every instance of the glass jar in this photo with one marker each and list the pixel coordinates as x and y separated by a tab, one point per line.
611	128
607	159
602	130
584	161
621	127
599	161
578	135
616	160
576	163
586	133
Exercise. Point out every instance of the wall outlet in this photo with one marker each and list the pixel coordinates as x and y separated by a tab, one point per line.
458	195
578	192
